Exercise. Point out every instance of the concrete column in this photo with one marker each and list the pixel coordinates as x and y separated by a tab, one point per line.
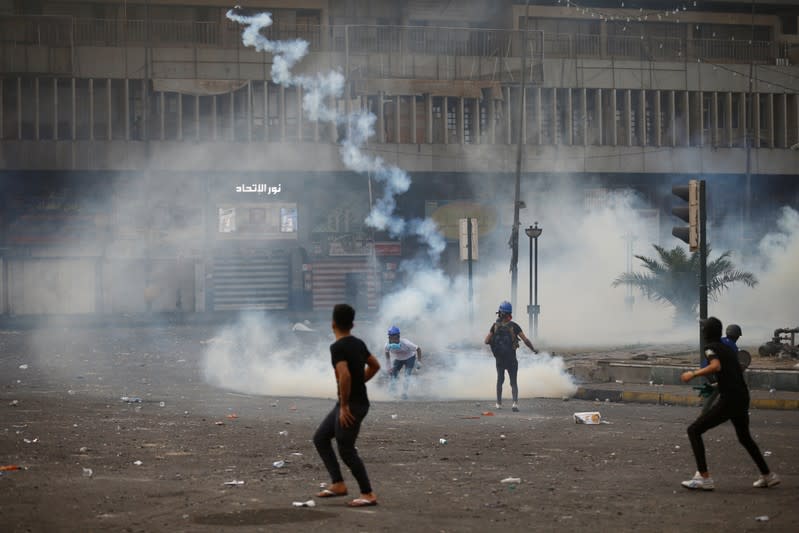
127	108
476	128
74	110
196	117
19	108
672	119
614	125
36	108
728	125
491	113
282	115
444	118
214	120
600	127
641	112
179	135
700	117
381	119
714	120
232	136
145	123
687	106
249	111
299	113
553	115
783	112
397	110
91	109
109	129
428	103
266	110
770	130
162	114
569	118
539	138
460	121
332	129
413	119
584	116
756	118
1	127
744	122
658	120
628	116
55	109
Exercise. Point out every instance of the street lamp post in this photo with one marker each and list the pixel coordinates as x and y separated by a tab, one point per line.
533	309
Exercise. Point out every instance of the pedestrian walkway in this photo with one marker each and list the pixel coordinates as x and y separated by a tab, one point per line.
677	395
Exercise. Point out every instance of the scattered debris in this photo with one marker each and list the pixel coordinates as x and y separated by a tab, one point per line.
283	433
88	472
393	417
488	413
511	480
762	518
767	453
130	399
137	463
13	403
588	417
232	416
309	503
279	464
234	483
9	468
442	441
23	367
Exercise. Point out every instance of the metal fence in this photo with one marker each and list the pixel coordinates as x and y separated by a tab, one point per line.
58	31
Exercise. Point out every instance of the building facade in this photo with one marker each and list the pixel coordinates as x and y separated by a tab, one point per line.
149	162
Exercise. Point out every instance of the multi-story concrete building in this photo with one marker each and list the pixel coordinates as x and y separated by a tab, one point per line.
148	161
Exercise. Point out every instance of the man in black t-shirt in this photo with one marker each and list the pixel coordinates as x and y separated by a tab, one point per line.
732	405
353	365
503	337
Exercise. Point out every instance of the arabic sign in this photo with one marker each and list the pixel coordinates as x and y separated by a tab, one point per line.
259	188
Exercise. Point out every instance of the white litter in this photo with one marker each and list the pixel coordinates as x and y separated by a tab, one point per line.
309	503
511	480
234	483
588	417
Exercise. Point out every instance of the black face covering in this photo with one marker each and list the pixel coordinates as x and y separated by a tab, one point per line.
711	329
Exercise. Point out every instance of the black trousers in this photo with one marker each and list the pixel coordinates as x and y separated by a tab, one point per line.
512	367
738	413
331	428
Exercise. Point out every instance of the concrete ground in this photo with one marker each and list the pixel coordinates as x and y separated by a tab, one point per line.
194	457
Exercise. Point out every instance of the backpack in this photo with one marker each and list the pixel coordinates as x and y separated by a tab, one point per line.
503	343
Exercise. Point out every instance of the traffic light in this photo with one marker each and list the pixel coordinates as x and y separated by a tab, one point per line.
690	214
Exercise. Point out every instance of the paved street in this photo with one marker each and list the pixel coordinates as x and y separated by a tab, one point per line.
80	445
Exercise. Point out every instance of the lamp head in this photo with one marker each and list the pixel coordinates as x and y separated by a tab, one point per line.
533	232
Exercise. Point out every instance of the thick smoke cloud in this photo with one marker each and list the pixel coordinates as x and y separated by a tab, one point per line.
433	306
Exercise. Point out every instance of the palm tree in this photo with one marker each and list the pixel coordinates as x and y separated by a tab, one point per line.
673	279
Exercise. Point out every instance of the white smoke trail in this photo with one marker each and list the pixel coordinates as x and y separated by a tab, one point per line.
318	90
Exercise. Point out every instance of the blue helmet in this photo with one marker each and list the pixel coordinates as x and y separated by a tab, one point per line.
506	307
393	331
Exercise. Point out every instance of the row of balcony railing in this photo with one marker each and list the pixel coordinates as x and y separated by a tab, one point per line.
56	31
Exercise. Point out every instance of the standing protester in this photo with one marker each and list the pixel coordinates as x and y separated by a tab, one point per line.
406	354
710	391
733	405
353	365
503	337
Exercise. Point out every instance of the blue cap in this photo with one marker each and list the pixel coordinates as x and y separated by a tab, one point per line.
505	307
393	331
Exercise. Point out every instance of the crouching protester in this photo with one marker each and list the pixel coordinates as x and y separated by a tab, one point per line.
732	405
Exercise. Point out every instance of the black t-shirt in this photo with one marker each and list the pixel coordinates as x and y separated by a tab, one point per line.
730	378
354	351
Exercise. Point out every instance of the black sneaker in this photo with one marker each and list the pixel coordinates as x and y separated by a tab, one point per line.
515	407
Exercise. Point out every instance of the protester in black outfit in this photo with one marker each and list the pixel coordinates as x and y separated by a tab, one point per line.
354	365
503	337
733	405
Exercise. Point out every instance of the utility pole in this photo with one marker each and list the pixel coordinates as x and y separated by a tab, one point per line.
514	234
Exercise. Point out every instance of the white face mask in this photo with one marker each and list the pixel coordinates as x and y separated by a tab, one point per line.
394	346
